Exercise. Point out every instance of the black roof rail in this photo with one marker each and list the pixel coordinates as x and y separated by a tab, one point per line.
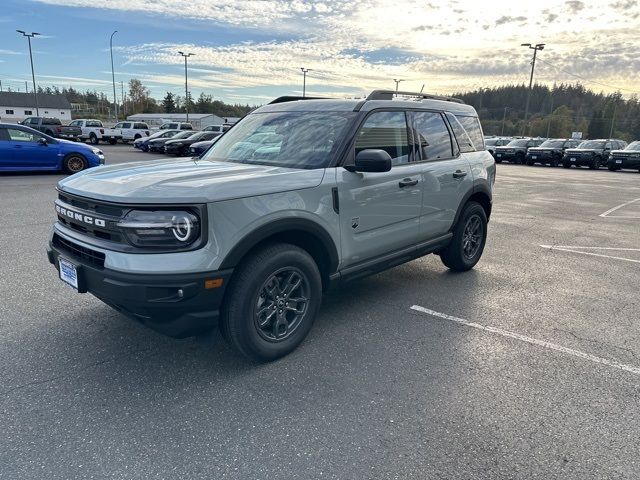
389	94
290	98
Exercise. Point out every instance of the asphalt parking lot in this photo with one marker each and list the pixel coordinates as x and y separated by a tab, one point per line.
526	367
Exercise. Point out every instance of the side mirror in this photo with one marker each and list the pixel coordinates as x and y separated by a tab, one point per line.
42	141
371	160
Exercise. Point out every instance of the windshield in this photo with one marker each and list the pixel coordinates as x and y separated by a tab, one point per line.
183	134
284	139
518	143
491	141
553	144
592	144
633	146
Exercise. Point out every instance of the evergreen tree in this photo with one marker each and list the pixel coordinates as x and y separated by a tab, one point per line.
168	103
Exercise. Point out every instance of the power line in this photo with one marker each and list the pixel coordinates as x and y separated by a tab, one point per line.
586	79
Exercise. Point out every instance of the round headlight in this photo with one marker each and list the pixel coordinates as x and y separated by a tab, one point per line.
182	228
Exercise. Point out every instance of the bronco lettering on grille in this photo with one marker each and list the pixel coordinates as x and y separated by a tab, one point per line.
80	217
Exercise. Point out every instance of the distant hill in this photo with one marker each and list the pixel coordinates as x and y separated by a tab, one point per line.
559	110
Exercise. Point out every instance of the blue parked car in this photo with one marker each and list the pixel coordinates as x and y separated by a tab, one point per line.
25	149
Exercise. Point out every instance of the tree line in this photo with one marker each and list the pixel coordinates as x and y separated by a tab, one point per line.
556	111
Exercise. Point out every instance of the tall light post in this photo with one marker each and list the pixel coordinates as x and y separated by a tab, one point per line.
535	48
397	83
113	75
304	80
186	86
33	75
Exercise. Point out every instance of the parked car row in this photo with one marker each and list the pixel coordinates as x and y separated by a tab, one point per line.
612	153
177	142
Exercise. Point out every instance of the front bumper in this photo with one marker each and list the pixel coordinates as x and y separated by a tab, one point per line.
543	157
506	156
177	305
624	162
578	160
173	149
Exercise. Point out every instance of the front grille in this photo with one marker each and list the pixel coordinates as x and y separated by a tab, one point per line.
108	212
79	252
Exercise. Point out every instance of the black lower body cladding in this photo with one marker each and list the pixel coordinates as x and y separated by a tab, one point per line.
617	163
177	305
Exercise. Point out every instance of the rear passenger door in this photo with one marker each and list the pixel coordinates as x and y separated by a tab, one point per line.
380	212
446	173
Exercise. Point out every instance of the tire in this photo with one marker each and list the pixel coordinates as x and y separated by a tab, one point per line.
530	163
93	139
137	136
113	141
520	159
566	165
498	160
595	164
612	168
455	256
554	162
252	290
74	163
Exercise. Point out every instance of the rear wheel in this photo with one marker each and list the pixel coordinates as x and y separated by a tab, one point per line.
74	163
272	301
498	160
93	138
520	159
469	238
113	141
595	164
566	165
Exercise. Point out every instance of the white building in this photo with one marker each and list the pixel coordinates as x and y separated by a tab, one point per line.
16	106
198	120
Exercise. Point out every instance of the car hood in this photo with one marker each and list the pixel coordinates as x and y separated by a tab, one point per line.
628	153
582	150
76	146
186	180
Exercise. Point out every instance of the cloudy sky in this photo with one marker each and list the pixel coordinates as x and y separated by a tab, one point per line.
251	50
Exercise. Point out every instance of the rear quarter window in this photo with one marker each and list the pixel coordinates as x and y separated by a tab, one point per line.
473	129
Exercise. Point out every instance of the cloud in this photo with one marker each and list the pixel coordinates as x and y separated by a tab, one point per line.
9	52
506	19
357	45
574	6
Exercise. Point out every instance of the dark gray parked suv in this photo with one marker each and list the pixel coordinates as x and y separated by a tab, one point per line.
248	236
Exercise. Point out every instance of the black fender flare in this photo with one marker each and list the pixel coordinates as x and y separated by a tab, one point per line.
249	241
479	187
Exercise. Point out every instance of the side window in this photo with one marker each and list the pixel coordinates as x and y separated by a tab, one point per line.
472	127
607	146
21	136
118	125
385	131
4	136
432	138
463	140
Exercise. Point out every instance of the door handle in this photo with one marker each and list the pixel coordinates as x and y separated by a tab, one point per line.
407	182
459	174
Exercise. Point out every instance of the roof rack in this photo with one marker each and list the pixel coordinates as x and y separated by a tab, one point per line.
290	98
389	94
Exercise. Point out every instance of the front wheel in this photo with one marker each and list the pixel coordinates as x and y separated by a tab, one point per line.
469	238
272	302
74	163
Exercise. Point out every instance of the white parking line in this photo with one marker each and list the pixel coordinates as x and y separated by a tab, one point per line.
608	212
530	340
561	248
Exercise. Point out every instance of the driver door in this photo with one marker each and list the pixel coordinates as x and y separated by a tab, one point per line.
27	151
380	212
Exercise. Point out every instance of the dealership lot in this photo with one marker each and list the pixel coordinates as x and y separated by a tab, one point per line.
526	367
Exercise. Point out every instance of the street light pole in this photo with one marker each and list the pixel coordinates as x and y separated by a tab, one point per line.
113	75
304	80
186	85
535	48
504	118
33	75
397	83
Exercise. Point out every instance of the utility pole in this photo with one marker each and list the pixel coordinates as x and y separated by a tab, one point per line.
33	75
550	116
397	84
186	86
613	119
0	86
124	104
504	117
113	75
535	48
304	80
26	88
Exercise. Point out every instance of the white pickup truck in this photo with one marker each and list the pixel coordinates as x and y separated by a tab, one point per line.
94	131
131	131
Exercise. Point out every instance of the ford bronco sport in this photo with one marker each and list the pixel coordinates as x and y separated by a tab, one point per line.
247	237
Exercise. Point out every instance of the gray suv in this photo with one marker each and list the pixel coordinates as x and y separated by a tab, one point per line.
298	196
